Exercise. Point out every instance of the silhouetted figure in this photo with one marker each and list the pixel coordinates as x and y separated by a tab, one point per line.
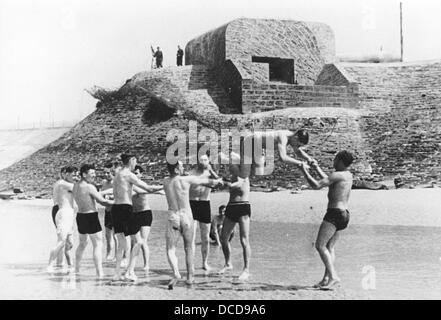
179	56
158	56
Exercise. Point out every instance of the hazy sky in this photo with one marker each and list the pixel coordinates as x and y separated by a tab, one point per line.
50	50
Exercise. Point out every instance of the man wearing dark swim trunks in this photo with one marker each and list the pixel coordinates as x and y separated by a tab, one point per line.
337	215
110	236
86	196
124	220
143	215
200	207
238	211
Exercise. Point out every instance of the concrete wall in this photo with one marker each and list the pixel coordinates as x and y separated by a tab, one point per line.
310	44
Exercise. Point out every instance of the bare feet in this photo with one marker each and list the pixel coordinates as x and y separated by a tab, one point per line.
322	283
117	277
173	281
244	276
50	268
206	268
225	269
124	263
131	277
332	283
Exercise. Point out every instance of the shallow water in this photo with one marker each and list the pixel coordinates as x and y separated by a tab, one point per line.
402	262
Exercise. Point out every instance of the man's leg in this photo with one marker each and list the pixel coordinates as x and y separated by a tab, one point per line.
121	247
326	233
67	250
60	258
145	231
171	237
205	244
80	250
97	243
137	242
61	240
188	235
227	229
110	244
195	227
244	232
126	253
330	246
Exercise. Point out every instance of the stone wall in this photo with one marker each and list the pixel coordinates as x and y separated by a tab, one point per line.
258	97
334	75
402	117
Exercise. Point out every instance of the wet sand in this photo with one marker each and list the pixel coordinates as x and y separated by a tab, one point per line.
393	238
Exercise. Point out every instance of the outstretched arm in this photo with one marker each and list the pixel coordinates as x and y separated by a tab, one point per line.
106	192
142	185
281	146
316	167
152	189
98	197
324	182
197	180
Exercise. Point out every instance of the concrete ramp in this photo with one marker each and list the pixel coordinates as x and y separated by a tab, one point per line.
18	144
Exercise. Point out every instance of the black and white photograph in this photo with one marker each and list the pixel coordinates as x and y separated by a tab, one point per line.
221	150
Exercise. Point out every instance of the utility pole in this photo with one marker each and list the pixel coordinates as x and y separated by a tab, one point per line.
401	29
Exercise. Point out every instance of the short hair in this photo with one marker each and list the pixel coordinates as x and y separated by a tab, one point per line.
108	165
172	167
302	136
63	170
85	168
138	167
70	169
126	157
346	157
221	208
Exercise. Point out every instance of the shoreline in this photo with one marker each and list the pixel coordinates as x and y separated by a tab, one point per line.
396	207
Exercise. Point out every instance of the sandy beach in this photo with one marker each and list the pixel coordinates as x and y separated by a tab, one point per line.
393	237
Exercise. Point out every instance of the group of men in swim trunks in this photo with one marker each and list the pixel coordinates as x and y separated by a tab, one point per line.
128	191
188	199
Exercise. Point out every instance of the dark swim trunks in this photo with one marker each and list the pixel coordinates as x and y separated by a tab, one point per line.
124	220
88	223
54	213
108	219
201	210
144	218
339	218
235	210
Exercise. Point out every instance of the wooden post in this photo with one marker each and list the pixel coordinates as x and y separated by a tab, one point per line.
401	29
